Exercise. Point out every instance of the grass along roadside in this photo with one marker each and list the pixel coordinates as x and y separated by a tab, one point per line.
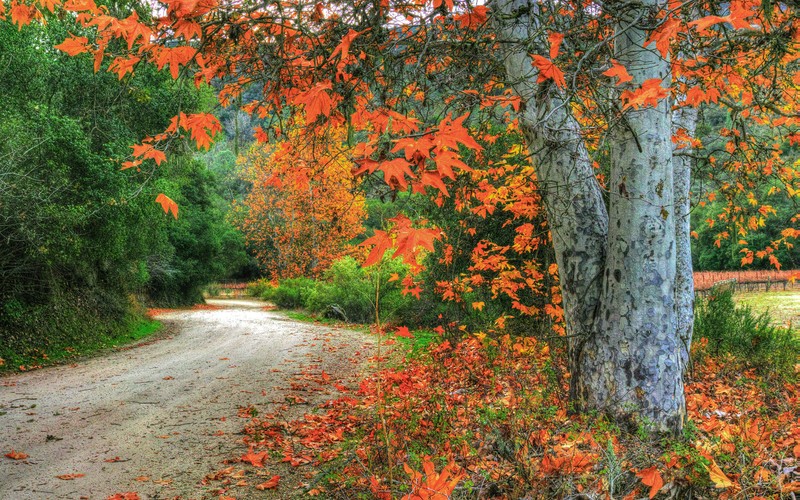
130	330
783	306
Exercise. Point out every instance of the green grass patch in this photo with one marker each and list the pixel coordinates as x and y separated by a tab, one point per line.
420	342
782	306
23	356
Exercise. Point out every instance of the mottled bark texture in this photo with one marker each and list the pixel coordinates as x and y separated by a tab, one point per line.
686	119
617	266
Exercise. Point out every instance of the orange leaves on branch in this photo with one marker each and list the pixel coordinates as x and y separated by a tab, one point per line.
203	127
652	478
81	6
476	18
167	204
147	151
22	14
395	172
122	66
555	40
304	207
548	71
664	34
648	94
74	45
316	100
174	57
380	242
343	49
619	72
407	241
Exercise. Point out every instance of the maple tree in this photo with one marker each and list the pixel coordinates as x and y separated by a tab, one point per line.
395	73
304	207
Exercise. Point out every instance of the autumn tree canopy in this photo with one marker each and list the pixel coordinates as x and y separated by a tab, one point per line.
303	207
605	94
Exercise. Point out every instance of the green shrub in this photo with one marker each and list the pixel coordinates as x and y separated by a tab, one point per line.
348	292
740	332
292	293
262	289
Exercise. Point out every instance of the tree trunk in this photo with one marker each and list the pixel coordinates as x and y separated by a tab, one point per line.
617	268
686	119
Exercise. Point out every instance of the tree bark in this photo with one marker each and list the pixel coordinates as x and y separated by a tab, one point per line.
684	118
617	267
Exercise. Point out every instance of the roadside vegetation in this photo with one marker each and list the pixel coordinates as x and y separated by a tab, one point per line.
83	247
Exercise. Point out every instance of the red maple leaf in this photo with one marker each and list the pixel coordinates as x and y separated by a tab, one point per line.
381	241
403	332
16	455
395	172
74	45
268	485
548	71
255	459
652	478
167	204
619	72
316	101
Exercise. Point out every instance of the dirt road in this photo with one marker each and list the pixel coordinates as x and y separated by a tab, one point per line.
157	418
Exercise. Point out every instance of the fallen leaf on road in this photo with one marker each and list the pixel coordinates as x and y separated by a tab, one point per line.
142	478
111	460
70	477
256	459
272	483
169	377
16	455
163	482
128	495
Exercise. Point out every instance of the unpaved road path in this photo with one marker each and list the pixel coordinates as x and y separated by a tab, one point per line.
158	417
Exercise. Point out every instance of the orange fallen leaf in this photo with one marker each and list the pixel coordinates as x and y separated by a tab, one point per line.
111	460
142	478
16	455
70	477
256	459
169	377
272	483
652	478
128	495
718	477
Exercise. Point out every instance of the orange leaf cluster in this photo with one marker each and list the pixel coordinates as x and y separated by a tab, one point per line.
304	207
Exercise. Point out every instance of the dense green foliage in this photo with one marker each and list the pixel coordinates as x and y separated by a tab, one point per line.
347	292
80	239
